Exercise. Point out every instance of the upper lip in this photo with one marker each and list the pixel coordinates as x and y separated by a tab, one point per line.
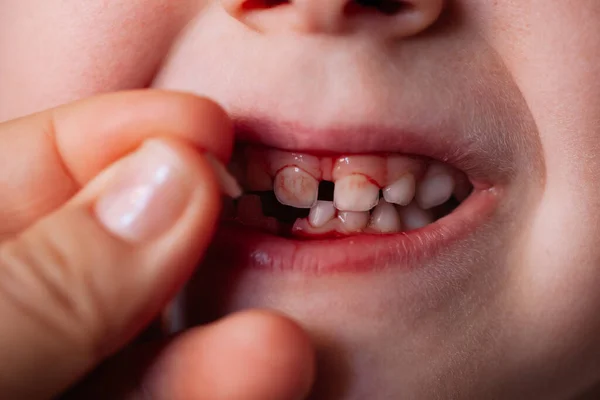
483	162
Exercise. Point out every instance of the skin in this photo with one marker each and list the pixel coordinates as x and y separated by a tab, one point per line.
508	313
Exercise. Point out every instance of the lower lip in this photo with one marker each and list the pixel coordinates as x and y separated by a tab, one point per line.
236	246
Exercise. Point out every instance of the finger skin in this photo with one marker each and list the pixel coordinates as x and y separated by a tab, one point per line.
250	355
72	293
52	154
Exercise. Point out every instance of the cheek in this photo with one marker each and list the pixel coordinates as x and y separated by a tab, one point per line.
54	51
554	56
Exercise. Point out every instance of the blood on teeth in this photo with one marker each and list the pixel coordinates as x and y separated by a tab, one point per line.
409	187
296	188
276	160
355	193
402	191
366	165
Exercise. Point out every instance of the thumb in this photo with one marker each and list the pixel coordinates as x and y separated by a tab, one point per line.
79	284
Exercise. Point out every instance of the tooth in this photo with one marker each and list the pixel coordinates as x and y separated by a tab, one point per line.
402	191
352	221
398	166
372	166
355	193
303	226
413	217
436	187
275	160
249	209
321	213
385	218
296	188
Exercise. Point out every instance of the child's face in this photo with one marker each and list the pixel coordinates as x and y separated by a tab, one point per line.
499	298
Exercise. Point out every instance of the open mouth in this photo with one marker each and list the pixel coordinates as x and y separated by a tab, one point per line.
315	197
339	212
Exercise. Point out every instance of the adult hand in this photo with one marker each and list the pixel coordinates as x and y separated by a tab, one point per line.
107	206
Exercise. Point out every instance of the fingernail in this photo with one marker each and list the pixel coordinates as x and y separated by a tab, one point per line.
229	185
149	194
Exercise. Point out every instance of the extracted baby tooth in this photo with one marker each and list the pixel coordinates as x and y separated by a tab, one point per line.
372	166
321	213
414	217
229	184
353	221
385	218
436	187
278	159
296	188
402	191
355	193
398	166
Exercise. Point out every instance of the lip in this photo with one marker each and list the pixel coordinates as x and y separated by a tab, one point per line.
240	247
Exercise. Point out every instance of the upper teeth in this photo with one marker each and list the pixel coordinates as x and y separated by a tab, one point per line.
436	187
355	193
407	184
402	191
295	187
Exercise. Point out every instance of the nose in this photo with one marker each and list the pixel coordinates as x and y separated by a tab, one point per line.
388	18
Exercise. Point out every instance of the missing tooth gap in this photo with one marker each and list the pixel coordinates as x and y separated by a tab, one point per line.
326	189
